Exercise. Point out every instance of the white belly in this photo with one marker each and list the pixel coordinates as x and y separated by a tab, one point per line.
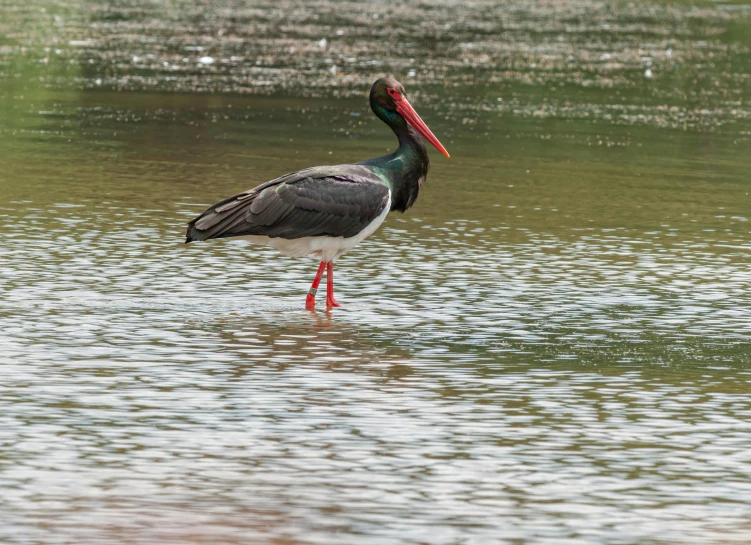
322	248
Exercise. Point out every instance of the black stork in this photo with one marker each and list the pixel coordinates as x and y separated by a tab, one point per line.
325	211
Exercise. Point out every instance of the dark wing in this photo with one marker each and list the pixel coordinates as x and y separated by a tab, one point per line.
325	201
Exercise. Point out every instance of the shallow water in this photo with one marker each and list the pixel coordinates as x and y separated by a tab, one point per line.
553	346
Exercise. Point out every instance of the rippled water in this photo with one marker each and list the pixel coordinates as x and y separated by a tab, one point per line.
553	346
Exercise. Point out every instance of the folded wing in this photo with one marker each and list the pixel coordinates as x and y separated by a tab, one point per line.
324	201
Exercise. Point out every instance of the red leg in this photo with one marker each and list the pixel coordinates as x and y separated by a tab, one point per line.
310	300
330	301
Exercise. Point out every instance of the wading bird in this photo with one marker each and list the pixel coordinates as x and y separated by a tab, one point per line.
325	211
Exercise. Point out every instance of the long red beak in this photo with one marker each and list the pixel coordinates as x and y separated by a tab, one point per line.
408	112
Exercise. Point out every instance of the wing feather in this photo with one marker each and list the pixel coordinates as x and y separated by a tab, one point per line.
327	201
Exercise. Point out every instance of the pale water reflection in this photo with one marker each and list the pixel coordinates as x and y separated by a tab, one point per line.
593	390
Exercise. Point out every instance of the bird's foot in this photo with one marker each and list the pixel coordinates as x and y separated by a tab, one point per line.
331	303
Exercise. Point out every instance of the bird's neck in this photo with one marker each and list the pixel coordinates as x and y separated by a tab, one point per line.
406	169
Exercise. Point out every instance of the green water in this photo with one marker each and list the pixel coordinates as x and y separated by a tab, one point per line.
552	346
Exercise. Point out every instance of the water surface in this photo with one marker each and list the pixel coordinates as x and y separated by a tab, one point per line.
553	346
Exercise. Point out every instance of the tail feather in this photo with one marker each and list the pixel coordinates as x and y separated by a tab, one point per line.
221	219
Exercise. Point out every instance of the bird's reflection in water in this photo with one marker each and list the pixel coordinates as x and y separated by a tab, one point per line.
323	339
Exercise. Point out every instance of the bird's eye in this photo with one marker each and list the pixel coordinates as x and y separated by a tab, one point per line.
392	91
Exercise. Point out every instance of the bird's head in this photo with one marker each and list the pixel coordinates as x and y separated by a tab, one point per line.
389	96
